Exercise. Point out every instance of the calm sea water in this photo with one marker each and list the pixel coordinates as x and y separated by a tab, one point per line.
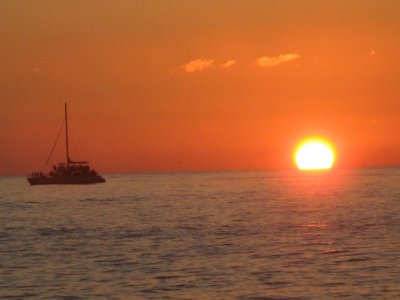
206	235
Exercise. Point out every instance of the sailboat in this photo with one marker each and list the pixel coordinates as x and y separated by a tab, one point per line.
70	172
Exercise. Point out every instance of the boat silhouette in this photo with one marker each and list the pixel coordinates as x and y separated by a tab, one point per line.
70	172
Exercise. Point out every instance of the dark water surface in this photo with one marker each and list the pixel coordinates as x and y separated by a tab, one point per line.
222	235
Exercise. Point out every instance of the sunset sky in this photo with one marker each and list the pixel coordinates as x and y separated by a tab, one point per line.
198	85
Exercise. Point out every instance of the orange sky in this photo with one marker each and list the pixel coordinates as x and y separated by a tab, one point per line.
198	85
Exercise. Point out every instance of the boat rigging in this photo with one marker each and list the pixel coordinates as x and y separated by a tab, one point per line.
70	172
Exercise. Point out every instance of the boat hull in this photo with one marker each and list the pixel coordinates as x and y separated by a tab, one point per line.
66	180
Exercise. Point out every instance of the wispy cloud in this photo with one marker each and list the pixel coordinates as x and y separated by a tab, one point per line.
199	64
227	64
267	61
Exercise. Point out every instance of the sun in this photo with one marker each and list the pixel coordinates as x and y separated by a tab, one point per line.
314	154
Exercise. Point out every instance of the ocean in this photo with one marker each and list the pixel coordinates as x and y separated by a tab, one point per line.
204	235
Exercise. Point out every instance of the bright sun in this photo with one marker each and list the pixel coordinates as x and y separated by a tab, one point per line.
314	154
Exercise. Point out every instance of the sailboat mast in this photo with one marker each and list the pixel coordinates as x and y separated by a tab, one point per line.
66	135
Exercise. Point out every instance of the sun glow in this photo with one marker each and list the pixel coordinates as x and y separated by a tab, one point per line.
314	154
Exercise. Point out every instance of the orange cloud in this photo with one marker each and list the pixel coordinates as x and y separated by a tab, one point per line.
198	65
266	61
227	64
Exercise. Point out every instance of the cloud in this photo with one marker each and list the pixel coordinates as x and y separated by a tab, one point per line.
266	61
198	65
227	64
